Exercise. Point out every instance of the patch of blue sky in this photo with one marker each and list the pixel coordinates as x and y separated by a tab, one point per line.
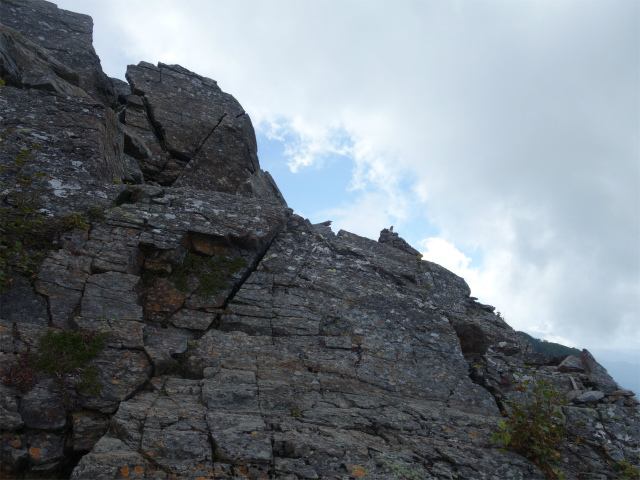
475	253
311	189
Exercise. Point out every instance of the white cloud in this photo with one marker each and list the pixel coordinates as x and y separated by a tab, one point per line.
367	215
443	253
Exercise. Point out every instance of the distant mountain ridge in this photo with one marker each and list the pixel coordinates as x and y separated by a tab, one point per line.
549	348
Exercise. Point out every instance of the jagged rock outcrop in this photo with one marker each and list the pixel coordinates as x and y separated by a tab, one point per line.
392	238
239	340
65	36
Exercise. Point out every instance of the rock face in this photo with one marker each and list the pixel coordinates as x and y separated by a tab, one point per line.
239	340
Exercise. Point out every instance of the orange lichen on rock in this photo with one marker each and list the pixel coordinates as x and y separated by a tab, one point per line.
125	471
243	471
358	471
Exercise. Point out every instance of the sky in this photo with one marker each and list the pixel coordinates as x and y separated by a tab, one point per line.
499	138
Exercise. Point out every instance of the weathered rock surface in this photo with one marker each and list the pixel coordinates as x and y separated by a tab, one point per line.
208	136
393	239
571	364
597	373
240	341
64	35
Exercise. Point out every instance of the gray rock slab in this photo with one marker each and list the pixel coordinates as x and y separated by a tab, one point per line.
571	364
22	305
88	428
28	65
42	407
112	295
119	333
573	394
235	391
597	373
46	451
192	319
114	249
591	396
240	438
121	373
213	146
10	418
64	303
72	133
112	458
165	344
65	270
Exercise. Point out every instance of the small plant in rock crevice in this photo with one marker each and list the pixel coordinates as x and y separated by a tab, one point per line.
19	217
213	274
21	375
61	355
534	425
625	471
73	221
95	213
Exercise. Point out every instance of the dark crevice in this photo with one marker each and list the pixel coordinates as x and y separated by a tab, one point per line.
376	430
72	458
155	125
199	147
212	444
451	392
47	303
249	270
471	337
474	345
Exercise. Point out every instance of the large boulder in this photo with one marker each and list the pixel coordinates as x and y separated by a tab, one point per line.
209	137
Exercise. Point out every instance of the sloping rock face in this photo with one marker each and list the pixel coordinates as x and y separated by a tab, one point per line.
240	341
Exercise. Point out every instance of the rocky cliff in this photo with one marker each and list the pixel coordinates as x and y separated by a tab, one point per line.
183	322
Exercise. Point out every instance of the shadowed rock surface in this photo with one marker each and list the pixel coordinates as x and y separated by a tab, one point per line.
240	340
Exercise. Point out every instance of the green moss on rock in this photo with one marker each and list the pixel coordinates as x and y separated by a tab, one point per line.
212	273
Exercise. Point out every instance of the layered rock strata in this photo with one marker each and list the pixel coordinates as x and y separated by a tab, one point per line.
240	340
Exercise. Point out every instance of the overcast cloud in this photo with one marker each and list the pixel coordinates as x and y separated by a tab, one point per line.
511	129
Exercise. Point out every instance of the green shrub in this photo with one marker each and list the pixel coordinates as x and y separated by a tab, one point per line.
73	221
66	352
625	471
95	213
60	355
533	426
212	273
